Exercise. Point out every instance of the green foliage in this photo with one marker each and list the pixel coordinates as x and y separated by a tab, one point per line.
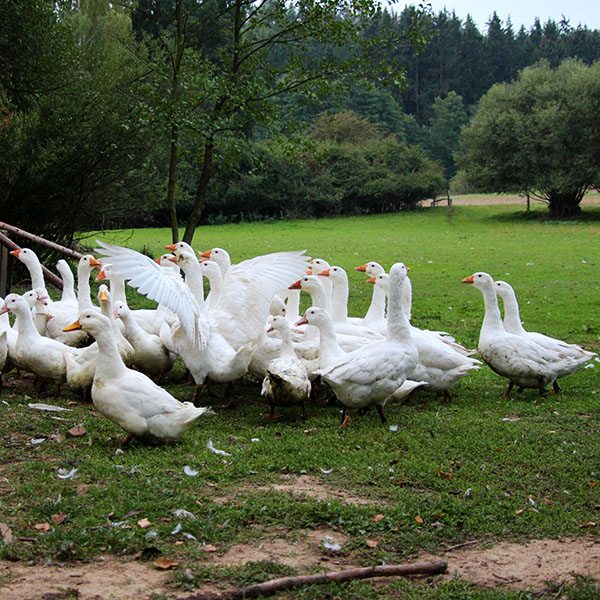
350	169
534	135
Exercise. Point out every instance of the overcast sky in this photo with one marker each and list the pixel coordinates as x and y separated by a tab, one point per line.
522	12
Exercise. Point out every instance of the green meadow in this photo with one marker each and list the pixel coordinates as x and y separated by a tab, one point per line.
478	468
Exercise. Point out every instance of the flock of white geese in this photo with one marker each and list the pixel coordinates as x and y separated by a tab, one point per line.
250	323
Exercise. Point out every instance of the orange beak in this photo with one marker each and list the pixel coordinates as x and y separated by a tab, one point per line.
407	269
103	296
324	273
362	268
95	263
205	254
172	259
296	286
468	279
16	252
73	326
101	276
171	247
372	280
301	321
4	309
157	261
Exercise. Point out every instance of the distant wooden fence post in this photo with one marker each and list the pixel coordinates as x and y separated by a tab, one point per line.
528	202
5	274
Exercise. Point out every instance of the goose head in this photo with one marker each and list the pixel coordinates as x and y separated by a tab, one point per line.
86	263
277	307
371	268
218	255
315	316
504	289
26	256
480	280
15	304
317	265
278	323
90	321
180	248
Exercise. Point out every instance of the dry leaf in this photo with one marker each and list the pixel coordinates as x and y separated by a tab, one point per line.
444	475
210	548
5	534
372	543
42	526
143	523
179	543
82	489
165	563
377	518
419	520
590	524
76	431
593	484
518	512
58	518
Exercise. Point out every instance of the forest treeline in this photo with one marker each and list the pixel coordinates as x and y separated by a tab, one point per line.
173	112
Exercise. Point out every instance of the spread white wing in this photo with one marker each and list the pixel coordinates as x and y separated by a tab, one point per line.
162	285
249	287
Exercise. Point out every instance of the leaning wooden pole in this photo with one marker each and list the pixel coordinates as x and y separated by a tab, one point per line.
285	583
50	277
39	240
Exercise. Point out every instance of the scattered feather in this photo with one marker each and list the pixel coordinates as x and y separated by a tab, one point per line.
183	514
211	447
189	471
176	530
65	474
48	407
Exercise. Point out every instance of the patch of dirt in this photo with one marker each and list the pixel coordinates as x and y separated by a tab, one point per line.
306	550
509	565
304	485
529	566
486	200
100	580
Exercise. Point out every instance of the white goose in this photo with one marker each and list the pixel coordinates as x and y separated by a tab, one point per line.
106	308
84	269
220	256
439	364
68	296
286	381
129	398
369	376
317	266
521	360
331	352
150	355
512	324
375	315
41	355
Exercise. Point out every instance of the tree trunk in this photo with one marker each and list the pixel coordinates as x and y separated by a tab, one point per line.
171	203
200	201
564	205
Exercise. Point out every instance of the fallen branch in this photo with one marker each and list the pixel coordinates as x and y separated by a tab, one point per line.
39	240
268	588
457	546
49	275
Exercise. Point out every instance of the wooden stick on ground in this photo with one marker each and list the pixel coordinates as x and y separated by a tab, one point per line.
285	583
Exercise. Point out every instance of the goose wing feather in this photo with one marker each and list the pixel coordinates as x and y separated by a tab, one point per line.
249	287
161	285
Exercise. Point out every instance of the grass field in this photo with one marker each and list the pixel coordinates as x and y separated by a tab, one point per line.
476	469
